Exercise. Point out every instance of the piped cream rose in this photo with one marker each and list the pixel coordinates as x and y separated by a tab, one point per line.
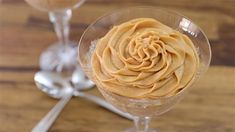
143	58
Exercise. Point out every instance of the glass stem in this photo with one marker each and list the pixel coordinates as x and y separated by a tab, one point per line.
142	124
60	19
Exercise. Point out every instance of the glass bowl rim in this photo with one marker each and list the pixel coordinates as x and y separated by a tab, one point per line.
168	11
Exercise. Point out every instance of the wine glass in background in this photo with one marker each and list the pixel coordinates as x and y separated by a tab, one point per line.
142	109
61	56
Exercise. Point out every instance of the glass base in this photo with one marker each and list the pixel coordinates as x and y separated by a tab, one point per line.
59	58
133	129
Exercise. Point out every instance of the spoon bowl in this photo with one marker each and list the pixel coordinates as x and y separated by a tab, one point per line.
80	81
53	85
50	83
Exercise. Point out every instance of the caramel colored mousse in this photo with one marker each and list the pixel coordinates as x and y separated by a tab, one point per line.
143	58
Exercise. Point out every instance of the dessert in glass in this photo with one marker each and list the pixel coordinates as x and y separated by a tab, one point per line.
61	56
144	59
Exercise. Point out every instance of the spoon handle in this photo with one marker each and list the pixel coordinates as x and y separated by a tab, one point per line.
49	119
104	104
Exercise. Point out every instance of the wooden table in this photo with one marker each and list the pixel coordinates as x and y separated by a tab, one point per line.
26	32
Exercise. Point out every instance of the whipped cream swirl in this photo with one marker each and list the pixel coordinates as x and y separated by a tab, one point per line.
143	58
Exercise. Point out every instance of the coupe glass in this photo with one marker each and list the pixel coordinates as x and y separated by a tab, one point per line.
61	56
142	109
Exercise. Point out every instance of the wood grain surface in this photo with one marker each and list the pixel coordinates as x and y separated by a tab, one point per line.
25	32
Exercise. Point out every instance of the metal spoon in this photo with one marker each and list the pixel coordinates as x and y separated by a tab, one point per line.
53	83
58	87
80	81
